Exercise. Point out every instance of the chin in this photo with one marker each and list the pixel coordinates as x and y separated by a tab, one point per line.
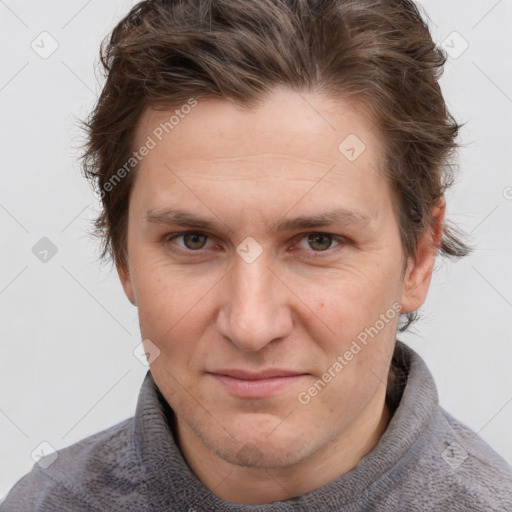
261	454
269	444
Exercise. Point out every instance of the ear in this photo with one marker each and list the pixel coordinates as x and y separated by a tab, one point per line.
420	266
124	275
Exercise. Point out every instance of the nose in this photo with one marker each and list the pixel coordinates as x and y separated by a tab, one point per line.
255	310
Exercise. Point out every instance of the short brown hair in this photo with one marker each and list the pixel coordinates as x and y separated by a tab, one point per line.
380	52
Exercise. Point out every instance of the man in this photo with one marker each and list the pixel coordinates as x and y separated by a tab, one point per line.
272	177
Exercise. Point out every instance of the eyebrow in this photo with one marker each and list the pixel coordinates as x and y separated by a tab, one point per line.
178	217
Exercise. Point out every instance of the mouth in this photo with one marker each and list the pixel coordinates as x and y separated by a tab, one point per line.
262	384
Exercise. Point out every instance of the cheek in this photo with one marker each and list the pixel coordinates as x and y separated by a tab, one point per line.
356	318
170	304
350	299
355	365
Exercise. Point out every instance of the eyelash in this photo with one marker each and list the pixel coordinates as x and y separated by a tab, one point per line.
313	254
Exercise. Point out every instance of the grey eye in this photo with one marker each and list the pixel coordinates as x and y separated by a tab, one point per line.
194	240
319	241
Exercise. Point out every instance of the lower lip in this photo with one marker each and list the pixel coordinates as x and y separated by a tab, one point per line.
259	388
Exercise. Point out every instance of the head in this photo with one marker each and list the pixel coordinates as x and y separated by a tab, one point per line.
272	177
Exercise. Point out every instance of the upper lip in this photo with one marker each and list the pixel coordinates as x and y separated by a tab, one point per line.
262	374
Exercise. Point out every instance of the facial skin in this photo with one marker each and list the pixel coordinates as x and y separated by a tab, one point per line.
296	307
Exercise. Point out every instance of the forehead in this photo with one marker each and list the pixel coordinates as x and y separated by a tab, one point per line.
290	138
301	116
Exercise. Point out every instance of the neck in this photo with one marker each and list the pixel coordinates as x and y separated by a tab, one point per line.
257	485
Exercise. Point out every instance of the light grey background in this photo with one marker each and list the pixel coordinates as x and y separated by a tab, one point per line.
67	367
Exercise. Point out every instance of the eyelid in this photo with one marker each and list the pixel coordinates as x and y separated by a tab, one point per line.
172	236
341	241
334	238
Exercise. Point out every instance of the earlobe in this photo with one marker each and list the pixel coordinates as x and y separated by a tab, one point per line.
126	281
420	266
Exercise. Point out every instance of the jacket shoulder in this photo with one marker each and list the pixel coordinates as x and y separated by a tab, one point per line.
83	475
459	471
478	470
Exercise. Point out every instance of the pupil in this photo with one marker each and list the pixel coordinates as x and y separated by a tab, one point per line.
194	241
319	241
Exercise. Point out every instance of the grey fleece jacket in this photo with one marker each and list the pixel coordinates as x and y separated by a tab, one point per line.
425	461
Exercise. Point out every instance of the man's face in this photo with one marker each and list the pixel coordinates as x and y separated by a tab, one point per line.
295	253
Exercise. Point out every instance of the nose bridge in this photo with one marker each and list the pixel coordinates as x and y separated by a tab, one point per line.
255	312
252	287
